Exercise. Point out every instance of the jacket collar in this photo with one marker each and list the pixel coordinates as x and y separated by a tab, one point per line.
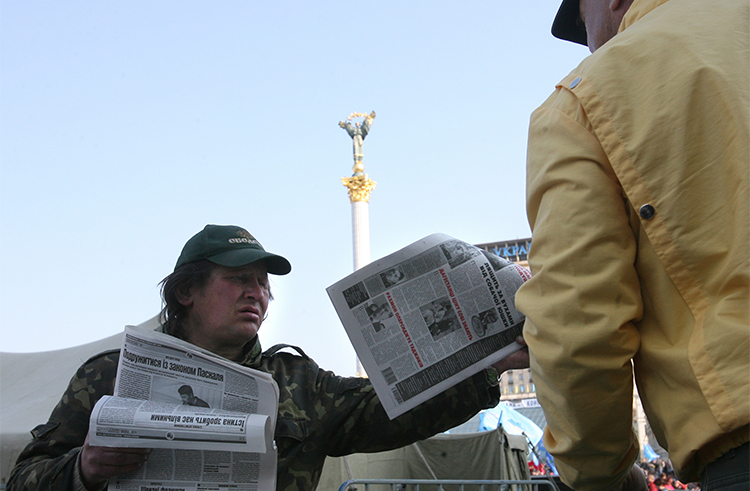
637	10
253	354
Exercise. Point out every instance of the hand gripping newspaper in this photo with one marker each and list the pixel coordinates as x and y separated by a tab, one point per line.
429	316
210	421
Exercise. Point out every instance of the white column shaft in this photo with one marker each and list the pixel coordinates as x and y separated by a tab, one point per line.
361	233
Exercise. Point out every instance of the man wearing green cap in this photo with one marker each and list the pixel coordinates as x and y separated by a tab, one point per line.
638	172
217	298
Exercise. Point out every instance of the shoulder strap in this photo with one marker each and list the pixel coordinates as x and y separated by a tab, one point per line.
276	348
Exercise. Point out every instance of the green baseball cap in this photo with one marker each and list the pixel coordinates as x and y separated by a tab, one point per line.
231	246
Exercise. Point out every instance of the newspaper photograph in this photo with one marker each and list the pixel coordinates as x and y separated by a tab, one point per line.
210	421
429	316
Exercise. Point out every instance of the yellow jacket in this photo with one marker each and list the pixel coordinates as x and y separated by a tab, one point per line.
637	196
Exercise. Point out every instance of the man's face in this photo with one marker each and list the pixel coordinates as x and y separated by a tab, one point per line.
227	312
382	313
601	21
185	398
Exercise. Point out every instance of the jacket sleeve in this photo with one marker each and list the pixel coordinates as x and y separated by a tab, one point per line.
361	424
582	299
322	414
49	461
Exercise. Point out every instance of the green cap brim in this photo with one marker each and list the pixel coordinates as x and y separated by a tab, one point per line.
242	257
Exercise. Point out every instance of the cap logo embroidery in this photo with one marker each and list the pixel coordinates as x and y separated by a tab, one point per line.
245	240
244	237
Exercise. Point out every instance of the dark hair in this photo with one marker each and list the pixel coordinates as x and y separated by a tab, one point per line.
182	280
185	389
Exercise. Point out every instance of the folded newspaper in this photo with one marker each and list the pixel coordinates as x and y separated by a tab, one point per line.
210	421
429	316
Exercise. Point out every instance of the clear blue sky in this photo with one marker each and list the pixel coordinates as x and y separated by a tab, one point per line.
126	126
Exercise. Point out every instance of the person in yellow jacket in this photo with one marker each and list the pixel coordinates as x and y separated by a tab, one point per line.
637	196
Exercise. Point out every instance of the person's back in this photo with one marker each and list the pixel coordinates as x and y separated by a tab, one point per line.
682	118
667	100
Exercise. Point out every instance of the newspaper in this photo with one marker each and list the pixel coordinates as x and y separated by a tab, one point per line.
429	316
150	424
210	421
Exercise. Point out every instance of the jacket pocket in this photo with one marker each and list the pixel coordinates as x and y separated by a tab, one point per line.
41	432
295	429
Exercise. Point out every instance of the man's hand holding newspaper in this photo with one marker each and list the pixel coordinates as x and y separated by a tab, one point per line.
98	464
514	361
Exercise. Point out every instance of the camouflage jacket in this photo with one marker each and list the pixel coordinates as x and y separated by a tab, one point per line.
320	414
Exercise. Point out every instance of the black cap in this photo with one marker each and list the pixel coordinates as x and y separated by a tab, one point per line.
567	25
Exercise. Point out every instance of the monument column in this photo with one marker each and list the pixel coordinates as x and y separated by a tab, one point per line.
360	186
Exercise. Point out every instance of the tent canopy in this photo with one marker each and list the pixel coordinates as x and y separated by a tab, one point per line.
31	385
486	455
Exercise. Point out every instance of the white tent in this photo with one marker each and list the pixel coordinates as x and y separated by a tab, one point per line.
31	385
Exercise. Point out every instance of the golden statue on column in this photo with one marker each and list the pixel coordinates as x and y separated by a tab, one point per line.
359	184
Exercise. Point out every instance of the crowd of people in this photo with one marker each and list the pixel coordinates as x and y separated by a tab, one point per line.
660	475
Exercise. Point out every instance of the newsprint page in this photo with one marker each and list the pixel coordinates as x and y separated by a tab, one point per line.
429	316
209	421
